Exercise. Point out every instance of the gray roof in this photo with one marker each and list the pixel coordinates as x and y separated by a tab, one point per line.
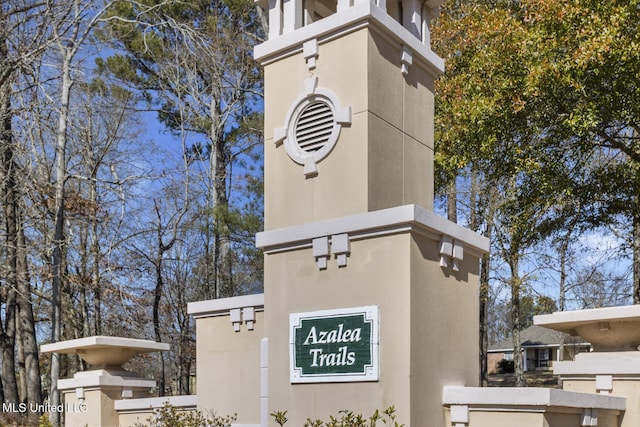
537	336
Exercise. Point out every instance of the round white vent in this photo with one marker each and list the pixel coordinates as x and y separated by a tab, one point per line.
314	126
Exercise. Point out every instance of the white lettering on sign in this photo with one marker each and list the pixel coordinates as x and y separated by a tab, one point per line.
339	335
338	345
341	358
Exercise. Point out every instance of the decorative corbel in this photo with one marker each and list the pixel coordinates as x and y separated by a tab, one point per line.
589	417
279	134
451	253
457	255
406	59
459	415
249	317
310	85
320	248
310	53
604	384
236	318
341	247
446	251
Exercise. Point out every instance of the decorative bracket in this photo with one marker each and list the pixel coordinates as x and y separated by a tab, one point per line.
451	253
279	134
310	167
249	317
310	53
340	247
245	315
310	85
459	415
406	59
604	384
343	116
589	417
236	318
321	251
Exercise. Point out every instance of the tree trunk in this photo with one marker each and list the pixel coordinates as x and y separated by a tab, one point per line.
26	324
8	343
2	334
636	252
5	140
636	231
452	201
82	273
563	254
218	160
7	171
157	296
184	368
20	375
516	284
59	234
95	270
563	274
484	302
156	316
477	217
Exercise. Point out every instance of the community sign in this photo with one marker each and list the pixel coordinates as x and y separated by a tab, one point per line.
338	345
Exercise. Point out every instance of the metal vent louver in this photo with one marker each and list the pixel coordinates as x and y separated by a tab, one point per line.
314	127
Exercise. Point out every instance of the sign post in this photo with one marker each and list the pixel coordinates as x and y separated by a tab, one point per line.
334	345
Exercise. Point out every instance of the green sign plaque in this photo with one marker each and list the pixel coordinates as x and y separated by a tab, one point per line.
334	345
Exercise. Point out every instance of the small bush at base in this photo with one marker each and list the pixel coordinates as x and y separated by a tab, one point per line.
170	416
346	419
505	366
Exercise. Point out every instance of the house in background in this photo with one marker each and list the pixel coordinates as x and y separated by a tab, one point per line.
541	348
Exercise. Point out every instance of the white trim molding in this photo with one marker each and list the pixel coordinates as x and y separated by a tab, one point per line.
222	306
334	236
241	310
363	14
101	379
463	401
186	402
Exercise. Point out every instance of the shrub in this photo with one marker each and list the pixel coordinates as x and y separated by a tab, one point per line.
170	416
505	366
347	419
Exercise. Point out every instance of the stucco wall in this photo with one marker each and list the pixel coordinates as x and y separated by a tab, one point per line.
228	367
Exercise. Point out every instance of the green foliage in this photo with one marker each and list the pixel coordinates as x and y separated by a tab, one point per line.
14	419
480	110
505	366
280	417
543	91
191	62
170	416
346	418
534	305
44	421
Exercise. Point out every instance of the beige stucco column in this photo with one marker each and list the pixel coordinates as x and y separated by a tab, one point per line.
371	299
89	396
228	356
613	367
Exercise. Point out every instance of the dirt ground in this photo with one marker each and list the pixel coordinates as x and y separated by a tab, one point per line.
533	379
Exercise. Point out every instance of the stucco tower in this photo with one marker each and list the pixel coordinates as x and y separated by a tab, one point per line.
371	300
